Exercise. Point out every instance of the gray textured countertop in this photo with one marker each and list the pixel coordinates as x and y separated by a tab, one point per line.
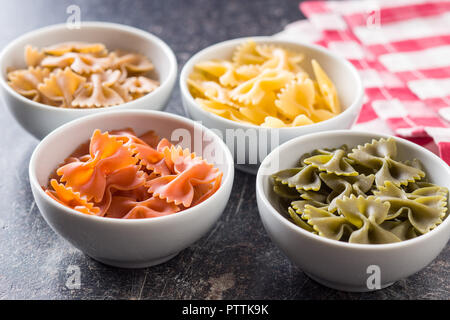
236	259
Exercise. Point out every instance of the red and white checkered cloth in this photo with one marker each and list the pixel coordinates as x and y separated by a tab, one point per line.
401	49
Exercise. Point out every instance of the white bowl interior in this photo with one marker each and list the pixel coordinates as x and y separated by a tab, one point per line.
341	72
60	144
287	155
113	36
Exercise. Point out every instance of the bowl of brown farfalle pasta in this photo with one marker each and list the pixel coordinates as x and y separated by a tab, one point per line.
56	74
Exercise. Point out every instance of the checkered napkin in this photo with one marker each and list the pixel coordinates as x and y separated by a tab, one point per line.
401	49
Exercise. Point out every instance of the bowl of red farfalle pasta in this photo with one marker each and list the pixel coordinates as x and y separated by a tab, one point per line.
56	74
131	188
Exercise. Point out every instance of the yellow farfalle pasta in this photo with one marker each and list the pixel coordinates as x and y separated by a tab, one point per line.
264	85
82	75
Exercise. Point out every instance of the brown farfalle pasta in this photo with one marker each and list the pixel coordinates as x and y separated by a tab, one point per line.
365	195
82	75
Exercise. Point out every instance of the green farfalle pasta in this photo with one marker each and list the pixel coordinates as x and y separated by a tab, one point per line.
332	162
424	208
362	195
379	155
305	178
327	224
366	215
344	186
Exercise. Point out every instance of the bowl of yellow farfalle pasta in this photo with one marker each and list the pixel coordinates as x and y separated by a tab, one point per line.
259	92
56	74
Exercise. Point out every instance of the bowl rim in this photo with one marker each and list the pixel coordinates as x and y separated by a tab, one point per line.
356	103
173	66
226	179
336	243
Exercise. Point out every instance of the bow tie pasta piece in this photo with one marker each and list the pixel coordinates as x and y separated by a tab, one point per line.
366	214
321	151
322	189
96	94
327	224
61	86
424	209
306	178
66	196
33	56
397	172
371	154
380	155
75	46
129	208
296	98
179	188
119	177
78	62
123	76
254	90
26	82
332	162
140	84
107	154
133	62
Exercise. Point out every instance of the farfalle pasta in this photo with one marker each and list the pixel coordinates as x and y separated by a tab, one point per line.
264	85
82	75
120	175
364	195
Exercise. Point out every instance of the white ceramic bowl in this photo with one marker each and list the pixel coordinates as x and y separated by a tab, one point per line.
342	265
261	141
122	242
39	119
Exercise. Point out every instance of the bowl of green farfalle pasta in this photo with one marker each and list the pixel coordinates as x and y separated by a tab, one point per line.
356	211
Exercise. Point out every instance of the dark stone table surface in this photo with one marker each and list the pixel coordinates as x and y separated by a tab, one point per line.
236	259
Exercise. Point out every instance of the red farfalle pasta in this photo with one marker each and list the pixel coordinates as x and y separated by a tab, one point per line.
130	208
120	175
188	172
71	199
107	154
